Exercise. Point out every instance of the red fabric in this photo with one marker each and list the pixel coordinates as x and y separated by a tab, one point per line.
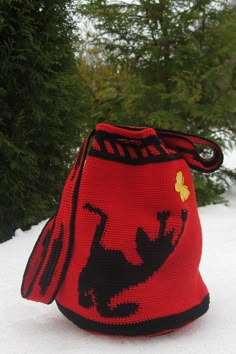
135	192
132	195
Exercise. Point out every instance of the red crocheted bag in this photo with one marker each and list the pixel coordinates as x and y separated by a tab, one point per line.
121	255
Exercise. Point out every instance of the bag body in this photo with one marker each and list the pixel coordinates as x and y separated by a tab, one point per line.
122	254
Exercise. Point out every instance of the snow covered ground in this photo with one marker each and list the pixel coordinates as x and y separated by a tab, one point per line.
32	328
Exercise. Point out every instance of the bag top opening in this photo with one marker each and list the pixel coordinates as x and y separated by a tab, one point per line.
127	132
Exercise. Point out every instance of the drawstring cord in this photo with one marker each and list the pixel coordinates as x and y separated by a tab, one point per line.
184	144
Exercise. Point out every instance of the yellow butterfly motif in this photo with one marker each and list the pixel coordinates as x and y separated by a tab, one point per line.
180	187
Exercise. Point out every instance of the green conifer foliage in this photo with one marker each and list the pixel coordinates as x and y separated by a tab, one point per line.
180	60
41	106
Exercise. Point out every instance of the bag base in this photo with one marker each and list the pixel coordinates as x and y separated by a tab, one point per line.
151	327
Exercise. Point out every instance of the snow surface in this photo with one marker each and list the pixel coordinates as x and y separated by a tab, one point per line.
230	158
32	328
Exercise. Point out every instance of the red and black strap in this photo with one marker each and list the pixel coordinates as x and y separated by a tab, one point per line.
185	145
49	260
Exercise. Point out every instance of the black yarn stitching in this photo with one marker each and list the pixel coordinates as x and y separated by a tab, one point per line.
107	272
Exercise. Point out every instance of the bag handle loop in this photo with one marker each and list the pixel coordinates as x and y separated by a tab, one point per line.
49	260
185	145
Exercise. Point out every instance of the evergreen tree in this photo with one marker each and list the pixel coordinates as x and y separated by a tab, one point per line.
43	103
180	56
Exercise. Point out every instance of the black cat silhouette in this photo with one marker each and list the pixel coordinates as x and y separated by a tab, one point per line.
108	272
